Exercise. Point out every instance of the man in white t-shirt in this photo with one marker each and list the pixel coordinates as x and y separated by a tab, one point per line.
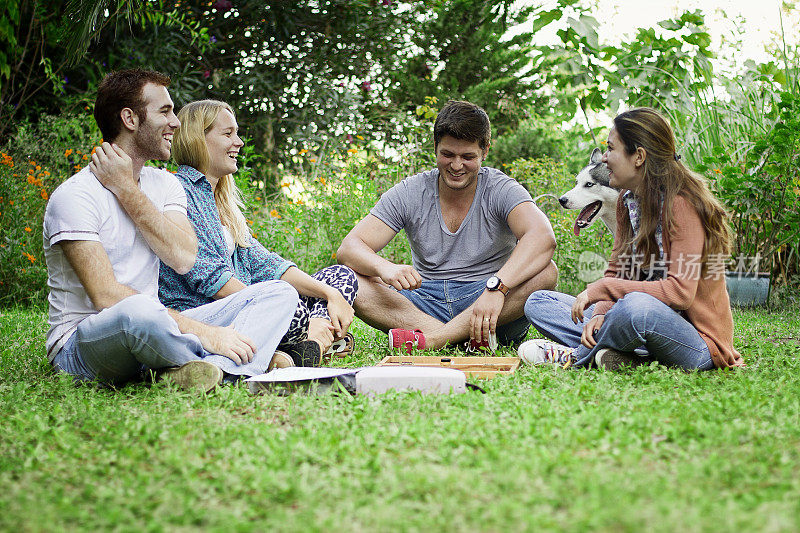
479	244
106	228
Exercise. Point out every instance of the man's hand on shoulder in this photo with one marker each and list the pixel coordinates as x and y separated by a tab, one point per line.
400	276
113	168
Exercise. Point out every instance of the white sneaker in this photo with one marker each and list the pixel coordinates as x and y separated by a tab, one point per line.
540	351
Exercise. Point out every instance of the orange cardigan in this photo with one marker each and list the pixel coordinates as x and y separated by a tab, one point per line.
704	302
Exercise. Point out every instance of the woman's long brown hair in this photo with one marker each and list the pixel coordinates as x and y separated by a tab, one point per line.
665	174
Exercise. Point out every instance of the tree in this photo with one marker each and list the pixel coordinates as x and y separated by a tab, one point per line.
460	50
656	66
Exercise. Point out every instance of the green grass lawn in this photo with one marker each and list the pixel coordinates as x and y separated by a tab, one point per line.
653	449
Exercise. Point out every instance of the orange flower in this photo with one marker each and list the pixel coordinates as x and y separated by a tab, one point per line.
312	160
68	153
359	137
285	184
28	229
298	230
303	151
322	181
43	193
29	256
85	157
352	151
31	179
46	173
274	214
718	171
250	222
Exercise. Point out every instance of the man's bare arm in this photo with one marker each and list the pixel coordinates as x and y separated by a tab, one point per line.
535	247
90	262
359	250
532	254
170	235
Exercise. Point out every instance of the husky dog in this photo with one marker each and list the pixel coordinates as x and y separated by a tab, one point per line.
592	195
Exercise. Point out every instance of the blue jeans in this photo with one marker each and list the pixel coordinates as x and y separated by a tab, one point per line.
113	345
636	321
445	299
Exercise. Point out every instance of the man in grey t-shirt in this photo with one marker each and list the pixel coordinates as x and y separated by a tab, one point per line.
480	246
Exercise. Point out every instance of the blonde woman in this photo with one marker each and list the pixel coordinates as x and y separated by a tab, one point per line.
206	147
663	295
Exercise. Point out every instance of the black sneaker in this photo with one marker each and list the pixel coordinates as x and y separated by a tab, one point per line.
304	353
615	361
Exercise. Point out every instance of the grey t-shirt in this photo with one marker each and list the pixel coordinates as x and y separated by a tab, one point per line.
483	242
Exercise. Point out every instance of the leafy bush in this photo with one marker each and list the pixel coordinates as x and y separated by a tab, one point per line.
23	195
309	227
538	137
762	192
36	161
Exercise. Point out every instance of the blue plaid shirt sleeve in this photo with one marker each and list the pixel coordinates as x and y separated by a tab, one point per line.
261	264
212	268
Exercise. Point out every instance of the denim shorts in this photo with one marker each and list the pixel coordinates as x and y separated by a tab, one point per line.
445	299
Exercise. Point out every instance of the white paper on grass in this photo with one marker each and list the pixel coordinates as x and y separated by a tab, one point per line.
301	373
428	380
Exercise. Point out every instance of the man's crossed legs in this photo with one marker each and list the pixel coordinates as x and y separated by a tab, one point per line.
113	345
442	310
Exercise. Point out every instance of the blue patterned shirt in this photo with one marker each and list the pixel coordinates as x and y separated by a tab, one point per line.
214	266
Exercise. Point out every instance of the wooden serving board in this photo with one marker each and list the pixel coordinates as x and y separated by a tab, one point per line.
474	367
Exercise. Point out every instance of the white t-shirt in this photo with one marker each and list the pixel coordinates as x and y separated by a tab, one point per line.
81	209
230	244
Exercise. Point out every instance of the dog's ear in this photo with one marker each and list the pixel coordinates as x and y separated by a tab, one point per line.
596	156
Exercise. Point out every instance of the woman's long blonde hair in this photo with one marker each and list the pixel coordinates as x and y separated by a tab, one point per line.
189	148
664	174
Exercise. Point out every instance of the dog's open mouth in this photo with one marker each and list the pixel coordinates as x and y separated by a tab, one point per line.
586	215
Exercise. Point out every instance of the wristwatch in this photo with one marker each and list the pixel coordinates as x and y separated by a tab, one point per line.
494	284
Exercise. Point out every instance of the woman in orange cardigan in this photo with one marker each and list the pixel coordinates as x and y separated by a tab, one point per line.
663	294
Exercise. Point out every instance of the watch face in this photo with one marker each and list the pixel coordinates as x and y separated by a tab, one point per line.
492	283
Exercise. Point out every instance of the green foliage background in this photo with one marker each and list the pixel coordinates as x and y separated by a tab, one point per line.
337	98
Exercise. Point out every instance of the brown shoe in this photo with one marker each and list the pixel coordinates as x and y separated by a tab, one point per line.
280	360
615	361
194	375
